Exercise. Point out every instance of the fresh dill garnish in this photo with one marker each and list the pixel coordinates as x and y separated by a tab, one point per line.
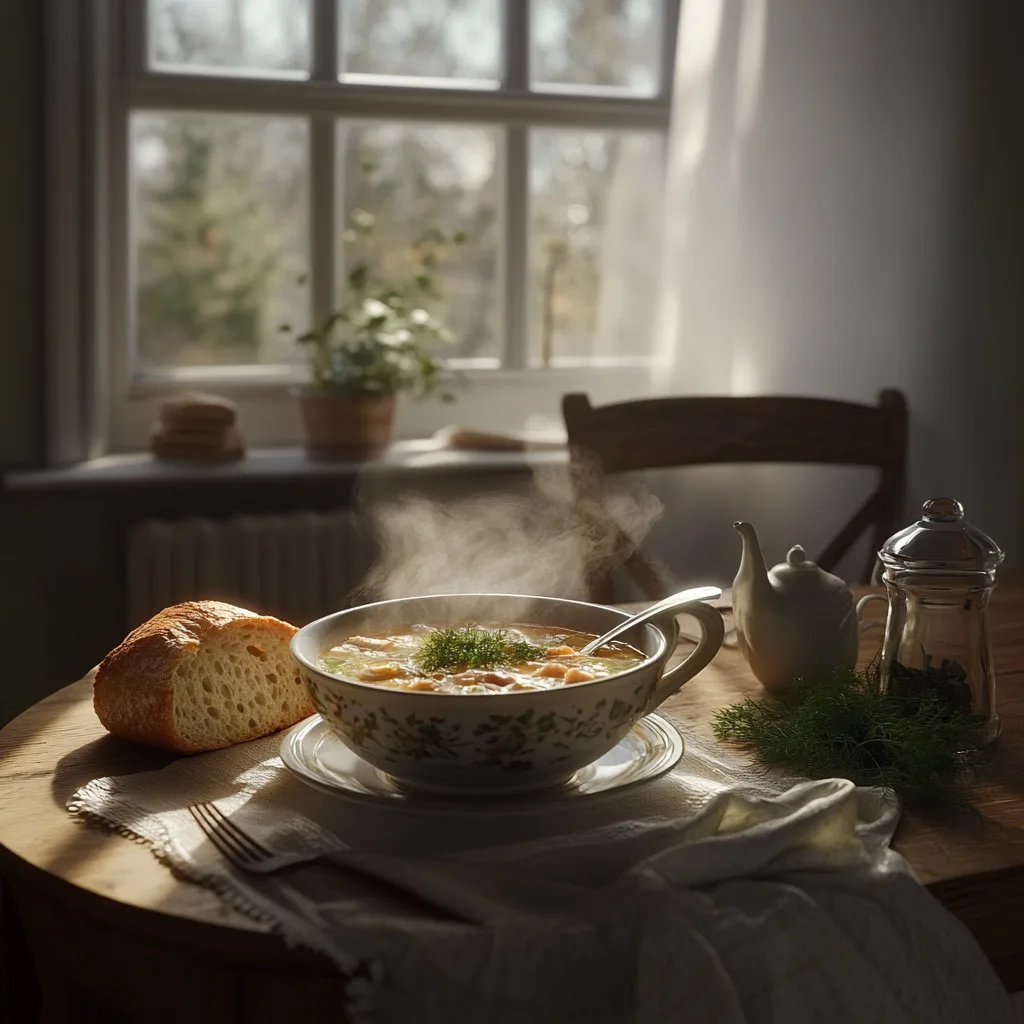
916	738
463	647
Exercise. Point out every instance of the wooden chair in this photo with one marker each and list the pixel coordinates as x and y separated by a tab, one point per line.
666	432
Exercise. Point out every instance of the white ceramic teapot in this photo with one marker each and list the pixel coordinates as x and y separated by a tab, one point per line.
793	621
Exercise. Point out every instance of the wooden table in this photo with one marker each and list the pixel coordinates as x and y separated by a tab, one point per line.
113	931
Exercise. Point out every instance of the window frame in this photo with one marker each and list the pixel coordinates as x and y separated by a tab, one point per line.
98	74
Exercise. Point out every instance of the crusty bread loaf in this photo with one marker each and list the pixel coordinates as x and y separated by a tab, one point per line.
200	676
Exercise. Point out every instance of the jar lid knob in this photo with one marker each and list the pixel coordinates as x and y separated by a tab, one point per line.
942	510
941	541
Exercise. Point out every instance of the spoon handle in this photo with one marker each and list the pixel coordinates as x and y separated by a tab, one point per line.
673	604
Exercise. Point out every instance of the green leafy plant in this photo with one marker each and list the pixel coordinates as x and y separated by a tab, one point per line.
917	737
383	339
462	647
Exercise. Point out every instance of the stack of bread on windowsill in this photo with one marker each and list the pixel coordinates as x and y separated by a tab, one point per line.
197	427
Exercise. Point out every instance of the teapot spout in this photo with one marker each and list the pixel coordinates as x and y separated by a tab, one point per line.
752	576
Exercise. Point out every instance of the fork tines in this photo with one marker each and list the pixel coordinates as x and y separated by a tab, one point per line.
234	844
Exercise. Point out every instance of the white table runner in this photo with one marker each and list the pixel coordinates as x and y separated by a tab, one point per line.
714	894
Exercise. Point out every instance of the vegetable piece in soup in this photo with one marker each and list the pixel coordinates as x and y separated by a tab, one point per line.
476	659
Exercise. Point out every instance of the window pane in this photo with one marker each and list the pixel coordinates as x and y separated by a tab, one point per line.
263	37
595	208
219	230
401	182
610	44
431	42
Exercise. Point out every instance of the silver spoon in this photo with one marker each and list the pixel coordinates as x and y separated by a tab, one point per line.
674	604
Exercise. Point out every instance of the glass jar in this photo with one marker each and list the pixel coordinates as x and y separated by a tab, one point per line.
939	574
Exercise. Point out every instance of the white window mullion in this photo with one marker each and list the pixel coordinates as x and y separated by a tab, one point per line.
670	29
322	175
269	96
515	41
515	200
323	214
325	41
515	254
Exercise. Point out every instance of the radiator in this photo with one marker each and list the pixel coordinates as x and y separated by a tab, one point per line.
297	566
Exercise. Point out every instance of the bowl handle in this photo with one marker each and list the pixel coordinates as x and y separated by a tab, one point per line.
712	630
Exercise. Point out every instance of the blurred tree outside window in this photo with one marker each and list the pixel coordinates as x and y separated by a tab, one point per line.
222	208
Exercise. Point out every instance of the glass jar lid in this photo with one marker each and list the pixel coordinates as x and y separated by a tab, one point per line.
943	540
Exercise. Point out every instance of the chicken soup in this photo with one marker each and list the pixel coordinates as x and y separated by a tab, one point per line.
476	658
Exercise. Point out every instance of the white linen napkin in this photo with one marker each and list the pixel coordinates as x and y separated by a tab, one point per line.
714	894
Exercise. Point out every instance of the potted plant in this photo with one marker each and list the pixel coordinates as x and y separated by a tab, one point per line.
381	341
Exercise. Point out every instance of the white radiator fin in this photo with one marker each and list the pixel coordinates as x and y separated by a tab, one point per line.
297	566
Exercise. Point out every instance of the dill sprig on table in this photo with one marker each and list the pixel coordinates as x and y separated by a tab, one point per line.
917	740
463	647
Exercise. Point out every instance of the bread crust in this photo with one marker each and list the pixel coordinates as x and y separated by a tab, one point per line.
134	690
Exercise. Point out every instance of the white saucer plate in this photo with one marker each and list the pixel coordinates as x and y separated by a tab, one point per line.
314	754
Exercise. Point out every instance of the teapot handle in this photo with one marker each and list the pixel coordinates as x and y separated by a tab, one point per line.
864	626
712	632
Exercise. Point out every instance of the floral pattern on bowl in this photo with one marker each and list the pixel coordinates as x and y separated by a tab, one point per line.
508	742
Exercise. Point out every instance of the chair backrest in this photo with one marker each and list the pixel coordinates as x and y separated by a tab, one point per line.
658	433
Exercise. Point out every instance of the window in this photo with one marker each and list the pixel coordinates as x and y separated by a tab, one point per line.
239	144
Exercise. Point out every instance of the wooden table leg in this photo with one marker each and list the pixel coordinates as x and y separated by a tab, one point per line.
19	992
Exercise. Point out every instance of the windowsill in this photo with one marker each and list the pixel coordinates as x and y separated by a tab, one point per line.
260	464
275	379
496	402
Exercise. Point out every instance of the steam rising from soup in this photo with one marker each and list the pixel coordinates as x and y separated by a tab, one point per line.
542	543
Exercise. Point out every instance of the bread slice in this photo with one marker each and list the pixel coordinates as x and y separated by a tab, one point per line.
200	676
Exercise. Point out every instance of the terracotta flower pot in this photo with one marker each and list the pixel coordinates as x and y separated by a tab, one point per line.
340	427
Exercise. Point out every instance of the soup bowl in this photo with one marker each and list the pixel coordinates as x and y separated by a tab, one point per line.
496	742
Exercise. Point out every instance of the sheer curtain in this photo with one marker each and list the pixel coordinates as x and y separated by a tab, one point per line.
822	238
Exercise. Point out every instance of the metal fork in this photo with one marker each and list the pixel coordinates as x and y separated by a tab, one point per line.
473	893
